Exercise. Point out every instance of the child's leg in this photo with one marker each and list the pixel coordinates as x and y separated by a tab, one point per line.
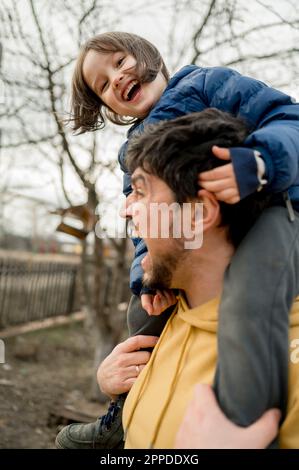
259	288
141	323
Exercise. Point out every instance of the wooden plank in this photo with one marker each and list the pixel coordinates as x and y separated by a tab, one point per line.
42	324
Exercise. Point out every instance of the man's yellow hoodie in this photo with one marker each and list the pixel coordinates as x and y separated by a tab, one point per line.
186	354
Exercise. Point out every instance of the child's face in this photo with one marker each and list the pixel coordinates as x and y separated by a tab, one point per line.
113	78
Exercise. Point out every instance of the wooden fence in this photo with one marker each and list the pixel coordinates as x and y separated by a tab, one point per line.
34	287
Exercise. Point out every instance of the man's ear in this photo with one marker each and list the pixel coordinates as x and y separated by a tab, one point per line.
211	210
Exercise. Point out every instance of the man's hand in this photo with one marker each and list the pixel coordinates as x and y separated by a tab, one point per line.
120	369
156	304
222	180
205	426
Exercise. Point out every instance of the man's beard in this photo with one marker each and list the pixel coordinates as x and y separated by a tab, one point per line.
162	270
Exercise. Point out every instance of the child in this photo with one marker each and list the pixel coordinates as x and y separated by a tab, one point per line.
122	77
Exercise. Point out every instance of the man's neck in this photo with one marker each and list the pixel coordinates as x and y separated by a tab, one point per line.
202	276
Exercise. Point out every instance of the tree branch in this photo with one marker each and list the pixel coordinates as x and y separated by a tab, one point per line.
59	125
62	182
243	35
198	33
269	8
261	57
28	142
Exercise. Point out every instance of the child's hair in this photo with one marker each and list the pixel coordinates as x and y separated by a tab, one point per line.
86	107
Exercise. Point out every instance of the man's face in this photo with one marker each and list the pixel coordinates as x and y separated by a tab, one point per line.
165	251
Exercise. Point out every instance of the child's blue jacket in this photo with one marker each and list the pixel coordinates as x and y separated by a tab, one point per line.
272	116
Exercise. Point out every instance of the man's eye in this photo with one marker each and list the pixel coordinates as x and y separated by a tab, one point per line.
104	86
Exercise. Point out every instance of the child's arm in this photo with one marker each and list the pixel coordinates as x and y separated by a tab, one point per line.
272	115
274	120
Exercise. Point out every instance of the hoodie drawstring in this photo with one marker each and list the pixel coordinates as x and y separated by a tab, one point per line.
147	376
172	387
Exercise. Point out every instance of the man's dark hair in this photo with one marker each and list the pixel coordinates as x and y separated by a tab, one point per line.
178	150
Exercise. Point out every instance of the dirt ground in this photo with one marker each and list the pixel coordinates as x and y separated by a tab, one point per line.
43	371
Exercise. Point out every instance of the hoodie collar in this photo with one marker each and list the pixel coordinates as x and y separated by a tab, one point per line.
204	316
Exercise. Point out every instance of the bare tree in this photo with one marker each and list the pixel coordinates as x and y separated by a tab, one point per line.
259	38
35	100
40	43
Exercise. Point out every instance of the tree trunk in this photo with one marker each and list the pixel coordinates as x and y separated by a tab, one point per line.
110	283
105	287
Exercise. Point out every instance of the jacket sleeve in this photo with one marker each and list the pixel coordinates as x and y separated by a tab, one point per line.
278	143
272	116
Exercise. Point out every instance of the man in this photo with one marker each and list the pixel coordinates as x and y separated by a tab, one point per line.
165	162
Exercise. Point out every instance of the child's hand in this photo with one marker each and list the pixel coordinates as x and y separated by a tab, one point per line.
156	304
222	180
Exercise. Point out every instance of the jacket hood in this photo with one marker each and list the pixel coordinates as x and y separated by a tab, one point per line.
204	317
179	75
173	82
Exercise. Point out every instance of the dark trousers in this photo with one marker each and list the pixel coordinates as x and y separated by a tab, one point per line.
260	285
253	341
